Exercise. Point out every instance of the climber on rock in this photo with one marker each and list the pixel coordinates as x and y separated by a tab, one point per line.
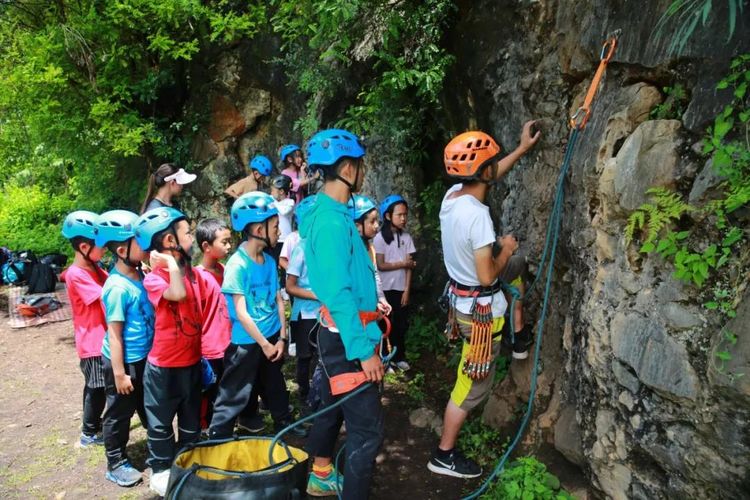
477	303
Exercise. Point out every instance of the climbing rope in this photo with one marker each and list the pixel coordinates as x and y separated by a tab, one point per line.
547	262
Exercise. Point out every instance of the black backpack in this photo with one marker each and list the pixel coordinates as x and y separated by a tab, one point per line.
56	260
42	279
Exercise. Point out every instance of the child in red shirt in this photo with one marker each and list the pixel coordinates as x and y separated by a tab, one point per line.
172	379
215	241
84	280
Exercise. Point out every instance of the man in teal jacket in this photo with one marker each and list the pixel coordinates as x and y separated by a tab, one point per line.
342	276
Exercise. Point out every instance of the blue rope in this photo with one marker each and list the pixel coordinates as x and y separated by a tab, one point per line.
550	248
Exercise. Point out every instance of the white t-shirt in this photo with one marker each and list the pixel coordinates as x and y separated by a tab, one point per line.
466	226
289	245
395	251
286	212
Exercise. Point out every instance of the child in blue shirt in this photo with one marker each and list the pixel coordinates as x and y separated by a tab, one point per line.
256	310
130	332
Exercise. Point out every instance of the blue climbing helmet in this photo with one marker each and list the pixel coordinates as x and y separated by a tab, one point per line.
251	207
303	208
360	205
262	164
327	147
153	222
115	225
80	223
286	150
389	201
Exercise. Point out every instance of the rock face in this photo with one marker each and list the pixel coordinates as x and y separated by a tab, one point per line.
630	388
628	374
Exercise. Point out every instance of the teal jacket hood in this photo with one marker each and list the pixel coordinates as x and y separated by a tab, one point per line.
342	274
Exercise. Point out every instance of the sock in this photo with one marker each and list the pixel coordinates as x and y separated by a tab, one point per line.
322	472
444	454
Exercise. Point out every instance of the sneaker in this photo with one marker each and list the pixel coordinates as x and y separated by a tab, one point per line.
159	482
95	440
523	341
319	487
252	425
124	474
403	366
455	465
296	431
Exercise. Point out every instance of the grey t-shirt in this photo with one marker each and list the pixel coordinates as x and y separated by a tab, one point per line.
155	203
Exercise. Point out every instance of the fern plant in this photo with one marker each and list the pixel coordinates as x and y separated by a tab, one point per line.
652	218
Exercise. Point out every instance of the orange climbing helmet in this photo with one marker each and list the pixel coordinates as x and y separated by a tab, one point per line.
468	153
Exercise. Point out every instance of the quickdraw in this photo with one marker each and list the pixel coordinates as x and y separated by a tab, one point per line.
479	358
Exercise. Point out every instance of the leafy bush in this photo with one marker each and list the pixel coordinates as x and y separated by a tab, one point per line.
30	219
481	442
424	335
527	479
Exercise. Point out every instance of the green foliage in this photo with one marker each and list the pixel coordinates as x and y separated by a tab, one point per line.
527	479
727	143
652	218
88	90
429	202
688	13
29	219
723	355
673	106
481	442
723	301
415	388
424	335
401	41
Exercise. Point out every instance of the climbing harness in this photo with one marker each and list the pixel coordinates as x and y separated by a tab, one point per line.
479	356
345	382
547	262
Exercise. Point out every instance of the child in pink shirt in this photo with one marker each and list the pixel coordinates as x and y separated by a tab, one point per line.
84	280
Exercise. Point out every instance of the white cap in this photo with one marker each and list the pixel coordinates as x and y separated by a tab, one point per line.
181	177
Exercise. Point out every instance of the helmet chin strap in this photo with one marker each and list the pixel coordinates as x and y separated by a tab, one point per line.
265	239
86	256
127	261
349	184
488	163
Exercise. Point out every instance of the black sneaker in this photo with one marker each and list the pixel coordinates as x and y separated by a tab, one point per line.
523	341
250	425
296	431
454	465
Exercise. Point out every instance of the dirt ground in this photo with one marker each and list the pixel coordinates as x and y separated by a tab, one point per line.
40	412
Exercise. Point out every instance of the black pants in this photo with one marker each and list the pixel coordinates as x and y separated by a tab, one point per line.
363	415
170	392
94	401
94	395
399	324
120	409
248	373
301	331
